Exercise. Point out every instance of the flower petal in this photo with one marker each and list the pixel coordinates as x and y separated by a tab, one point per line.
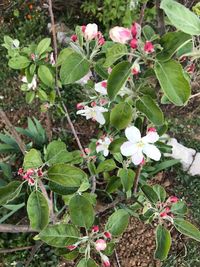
151	137
100	118
105	152
133	134
152	152
128	149
137	158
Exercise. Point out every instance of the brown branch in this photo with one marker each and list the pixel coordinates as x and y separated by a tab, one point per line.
142	13
10	250
56	78
137	177
160	18
10	228
12	131
33	252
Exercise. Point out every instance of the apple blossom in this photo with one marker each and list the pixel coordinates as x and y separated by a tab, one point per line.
91	31
148	47
172	199
32	84
102	145
100	244
74	38
108	235
94	113
83	28
95	229
105	260
101	87
71	247
120	35
135	30
136	145
85	78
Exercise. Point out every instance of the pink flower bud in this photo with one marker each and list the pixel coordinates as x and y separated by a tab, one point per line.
33	56
103	101
191	68
39	173
31	181
135	30
101	41
120	35
20	171
108	235
95	229
30	172
133	43
105	260
173	199
100	244
109	70
93	104
104	84
87	150
152	129
167	209
71	247
74	38
163	214
83	27
143	162
148	47
25	177
79	106
135	69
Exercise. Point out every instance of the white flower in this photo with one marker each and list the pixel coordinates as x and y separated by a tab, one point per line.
137	145
33	84
15	43
125	91
52	60
95	113
91	31
101	87
102	145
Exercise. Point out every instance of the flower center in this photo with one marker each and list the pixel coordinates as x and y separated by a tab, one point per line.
140	144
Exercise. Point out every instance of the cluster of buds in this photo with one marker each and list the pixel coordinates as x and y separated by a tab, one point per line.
29	175
90	32
166	211
99	241
130	36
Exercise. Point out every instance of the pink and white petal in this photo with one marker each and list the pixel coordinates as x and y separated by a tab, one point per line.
99	148
137	158
128	149
100	118
151	137
100	89
133	134
152	152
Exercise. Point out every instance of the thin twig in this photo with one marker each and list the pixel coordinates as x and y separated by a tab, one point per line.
10	228
111	205
33	252
56	78
137	177
142	13
94	184
117	258
12	131
10	250
195	95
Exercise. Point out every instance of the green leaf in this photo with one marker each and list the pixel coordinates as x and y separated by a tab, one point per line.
164	165
114	147
43	46
117	222
172	42
87	263
45	75
152	111
38	211
186	228
30	97
163	243
160	191
66	175
59	235
56	152
9	192
32	159
181	17
179	208
148	32
127	177
172	81
81	211
118	78
106	166
63	55
62	190
19	62
150	194
113	184
121	115
74	68
100	70
114	53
